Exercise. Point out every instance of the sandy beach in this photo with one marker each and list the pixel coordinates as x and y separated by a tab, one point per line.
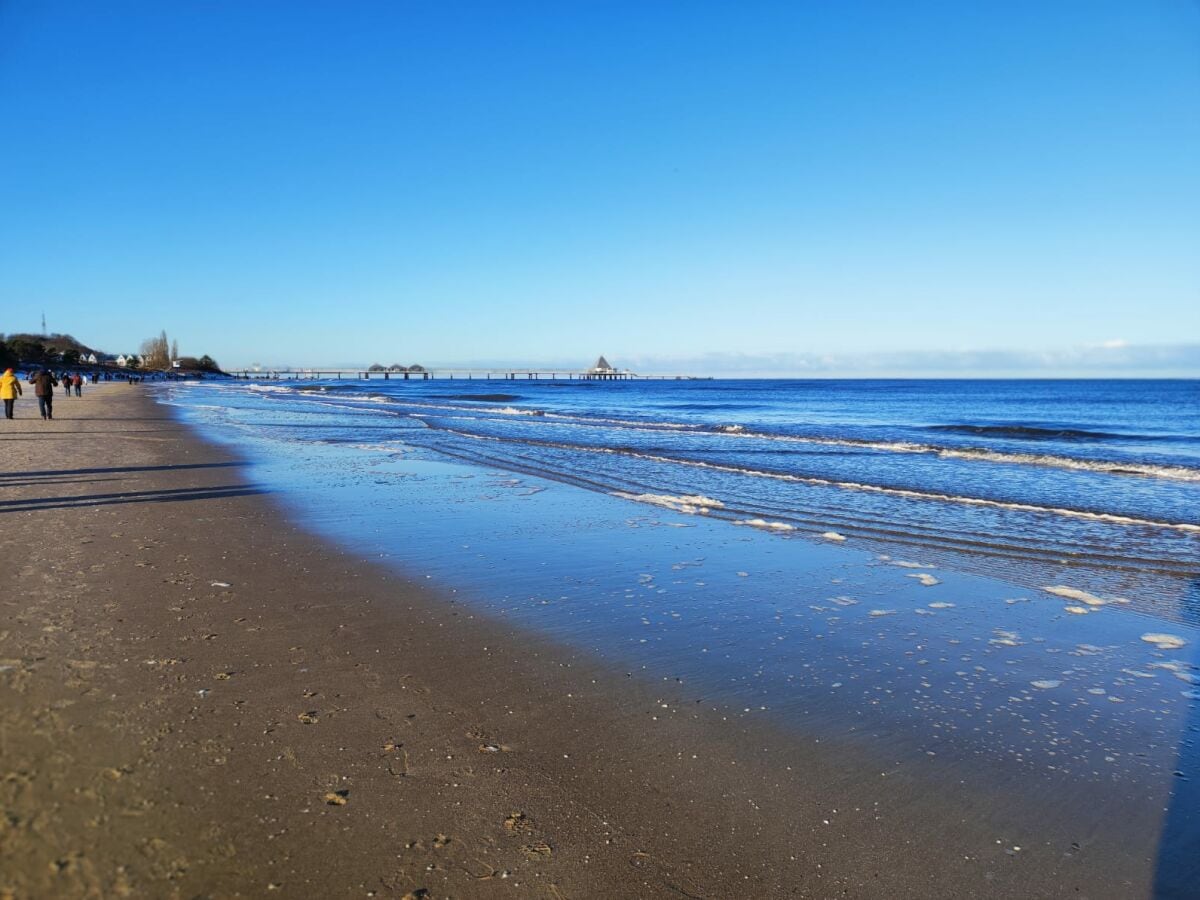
201	699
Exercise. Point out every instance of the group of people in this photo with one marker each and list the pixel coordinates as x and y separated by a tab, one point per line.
44	382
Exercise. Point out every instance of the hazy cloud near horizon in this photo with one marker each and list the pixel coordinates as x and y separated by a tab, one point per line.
1113	358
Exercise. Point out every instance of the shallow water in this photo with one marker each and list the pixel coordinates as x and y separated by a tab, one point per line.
1028	625
1100	476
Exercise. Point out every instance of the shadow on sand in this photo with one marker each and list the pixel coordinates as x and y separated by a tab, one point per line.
1177	869
115	470
172	495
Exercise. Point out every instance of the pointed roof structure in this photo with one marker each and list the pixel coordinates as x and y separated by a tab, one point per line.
602	365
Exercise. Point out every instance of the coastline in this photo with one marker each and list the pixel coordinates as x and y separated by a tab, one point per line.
166	734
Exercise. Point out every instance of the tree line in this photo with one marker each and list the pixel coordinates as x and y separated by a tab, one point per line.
157	353
40	350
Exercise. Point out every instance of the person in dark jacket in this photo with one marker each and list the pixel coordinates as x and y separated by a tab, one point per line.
44	384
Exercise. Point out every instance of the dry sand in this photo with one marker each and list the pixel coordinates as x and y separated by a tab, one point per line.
201	700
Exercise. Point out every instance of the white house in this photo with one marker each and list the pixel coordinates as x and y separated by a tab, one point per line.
122	360
90	359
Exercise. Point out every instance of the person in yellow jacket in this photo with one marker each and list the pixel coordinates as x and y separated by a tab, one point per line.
10	390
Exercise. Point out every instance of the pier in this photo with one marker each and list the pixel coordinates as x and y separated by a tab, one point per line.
601	371
291	373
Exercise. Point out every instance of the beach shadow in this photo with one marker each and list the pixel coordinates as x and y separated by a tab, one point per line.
40	434
112	418
51	479
172	495
115	470
1177	868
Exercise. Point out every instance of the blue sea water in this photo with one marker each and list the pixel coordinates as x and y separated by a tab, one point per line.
861	561
1025	478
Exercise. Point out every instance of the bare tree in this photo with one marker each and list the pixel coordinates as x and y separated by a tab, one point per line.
155	352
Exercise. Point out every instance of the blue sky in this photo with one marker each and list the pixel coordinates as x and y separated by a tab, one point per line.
788	188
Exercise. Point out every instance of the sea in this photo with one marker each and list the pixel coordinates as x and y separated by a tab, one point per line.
989	581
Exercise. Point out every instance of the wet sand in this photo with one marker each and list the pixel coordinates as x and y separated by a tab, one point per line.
200	699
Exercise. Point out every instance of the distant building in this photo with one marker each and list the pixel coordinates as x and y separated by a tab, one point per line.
90	359
602	368
122	360
396	367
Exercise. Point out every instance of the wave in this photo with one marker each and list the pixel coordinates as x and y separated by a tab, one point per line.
1107	467
981	454
772	526
485	398
934	495
708	407
1033	432
816	521
689	503
908	493
1116	467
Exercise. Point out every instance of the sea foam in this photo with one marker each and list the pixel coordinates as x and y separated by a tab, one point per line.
689	504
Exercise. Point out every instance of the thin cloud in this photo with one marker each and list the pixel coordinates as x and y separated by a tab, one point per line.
1116	359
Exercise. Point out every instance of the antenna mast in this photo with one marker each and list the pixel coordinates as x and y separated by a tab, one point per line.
43	323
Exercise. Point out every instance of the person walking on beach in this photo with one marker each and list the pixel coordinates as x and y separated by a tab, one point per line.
44	384
77	383
10	390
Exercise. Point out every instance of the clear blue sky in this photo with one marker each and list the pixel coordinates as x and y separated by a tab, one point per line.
792	186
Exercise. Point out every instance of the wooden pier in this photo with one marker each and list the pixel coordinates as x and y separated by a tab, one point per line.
300	374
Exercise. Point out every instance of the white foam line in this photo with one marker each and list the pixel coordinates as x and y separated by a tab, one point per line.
872	488
1108	467
920	495
763	523
690	504
1105	467
1112	518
